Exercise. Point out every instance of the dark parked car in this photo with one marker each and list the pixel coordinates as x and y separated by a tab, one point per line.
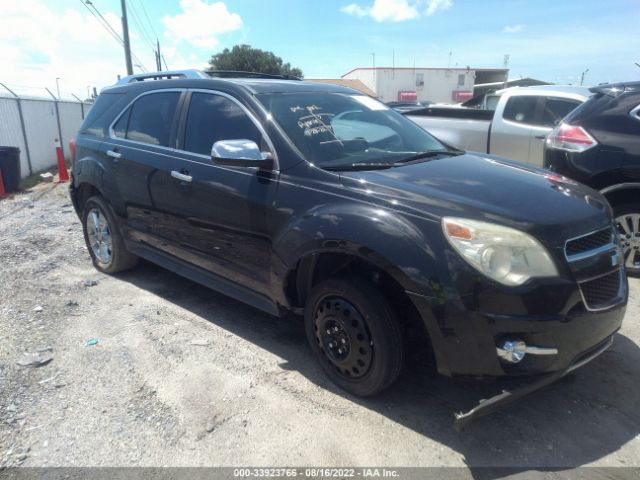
373	230
598	144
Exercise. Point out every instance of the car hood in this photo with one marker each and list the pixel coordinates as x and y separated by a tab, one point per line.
488	188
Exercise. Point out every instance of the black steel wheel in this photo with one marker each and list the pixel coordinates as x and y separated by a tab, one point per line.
354	332
343	337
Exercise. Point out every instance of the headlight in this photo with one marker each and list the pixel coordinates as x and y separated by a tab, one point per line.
503	254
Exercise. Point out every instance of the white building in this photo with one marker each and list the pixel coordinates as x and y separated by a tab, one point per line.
442	85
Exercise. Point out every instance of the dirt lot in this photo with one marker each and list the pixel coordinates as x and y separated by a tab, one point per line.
183	376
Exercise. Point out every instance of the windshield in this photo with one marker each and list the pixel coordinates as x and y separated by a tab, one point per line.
335	130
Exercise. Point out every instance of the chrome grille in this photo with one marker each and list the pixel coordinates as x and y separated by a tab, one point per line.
592	241
601	292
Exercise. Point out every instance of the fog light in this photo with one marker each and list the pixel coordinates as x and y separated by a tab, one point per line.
512	351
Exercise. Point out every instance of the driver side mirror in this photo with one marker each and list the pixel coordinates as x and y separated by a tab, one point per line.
241	153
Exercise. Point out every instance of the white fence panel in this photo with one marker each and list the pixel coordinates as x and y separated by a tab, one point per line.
42	130
11	132
70	120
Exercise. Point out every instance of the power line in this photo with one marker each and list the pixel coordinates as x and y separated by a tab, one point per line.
109	30
141	24
141	27
105	24
104	20
144	10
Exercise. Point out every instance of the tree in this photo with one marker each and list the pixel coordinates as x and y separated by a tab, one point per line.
246	59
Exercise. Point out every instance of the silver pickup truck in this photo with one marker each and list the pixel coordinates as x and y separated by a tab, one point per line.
514	122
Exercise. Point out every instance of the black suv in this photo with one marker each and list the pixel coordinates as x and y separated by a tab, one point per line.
598	144
318	200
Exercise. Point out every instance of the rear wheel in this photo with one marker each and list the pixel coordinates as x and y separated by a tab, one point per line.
627	218
103	238
354	333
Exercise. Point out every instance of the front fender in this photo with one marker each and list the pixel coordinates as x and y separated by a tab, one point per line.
382	237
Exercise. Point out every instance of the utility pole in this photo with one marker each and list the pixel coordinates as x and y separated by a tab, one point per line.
393	64
58	86
158	57
125	35
582	76
505	64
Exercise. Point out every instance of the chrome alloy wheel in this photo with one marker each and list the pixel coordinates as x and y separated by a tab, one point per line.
628	226
99	236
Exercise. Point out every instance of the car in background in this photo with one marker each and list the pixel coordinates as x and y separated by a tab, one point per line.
408	106
513	123
598	144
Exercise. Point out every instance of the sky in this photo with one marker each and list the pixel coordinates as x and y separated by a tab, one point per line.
551	40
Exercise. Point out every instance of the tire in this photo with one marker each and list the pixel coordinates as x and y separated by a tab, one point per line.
627	218
355	335
105	244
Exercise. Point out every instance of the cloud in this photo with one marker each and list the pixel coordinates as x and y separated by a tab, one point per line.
39	43
513	28
200	23
434	5
393	11
397	10
355	10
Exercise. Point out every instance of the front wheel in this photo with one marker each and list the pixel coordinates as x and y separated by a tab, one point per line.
355	335
627	218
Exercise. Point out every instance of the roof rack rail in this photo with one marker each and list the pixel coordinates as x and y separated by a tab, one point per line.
166	75
243	74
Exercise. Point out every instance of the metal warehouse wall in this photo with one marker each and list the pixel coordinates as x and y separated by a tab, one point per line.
40	127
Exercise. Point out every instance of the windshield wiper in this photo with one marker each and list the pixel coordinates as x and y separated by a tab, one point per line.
382	166
360	166
430	154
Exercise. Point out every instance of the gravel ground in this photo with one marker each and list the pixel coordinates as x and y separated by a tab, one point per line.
181	375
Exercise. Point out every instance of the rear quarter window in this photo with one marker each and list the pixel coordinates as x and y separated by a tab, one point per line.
555	109
101	114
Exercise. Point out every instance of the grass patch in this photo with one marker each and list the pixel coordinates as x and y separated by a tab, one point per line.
33	180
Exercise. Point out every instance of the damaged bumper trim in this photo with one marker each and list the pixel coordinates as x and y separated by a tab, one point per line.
497	402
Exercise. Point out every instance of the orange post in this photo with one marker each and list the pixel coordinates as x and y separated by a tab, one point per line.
3	193
63	174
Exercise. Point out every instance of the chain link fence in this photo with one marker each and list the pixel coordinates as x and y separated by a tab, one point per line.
32	118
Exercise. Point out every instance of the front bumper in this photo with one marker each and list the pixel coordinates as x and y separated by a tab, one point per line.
490	405
465	338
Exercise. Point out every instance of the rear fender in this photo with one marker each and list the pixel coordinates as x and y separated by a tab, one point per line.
89	169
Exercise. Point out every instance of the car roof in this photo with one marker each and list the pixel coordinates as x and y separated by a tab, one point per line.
252	85
617	87
573	91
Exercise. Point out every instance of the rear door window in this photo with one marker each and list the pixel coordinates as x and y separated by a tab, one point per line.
521	109
151	118
212	118
120	127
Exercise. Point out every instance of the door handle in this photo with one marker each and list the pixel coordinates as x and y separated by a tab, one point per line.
114	154
181	176
540	137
